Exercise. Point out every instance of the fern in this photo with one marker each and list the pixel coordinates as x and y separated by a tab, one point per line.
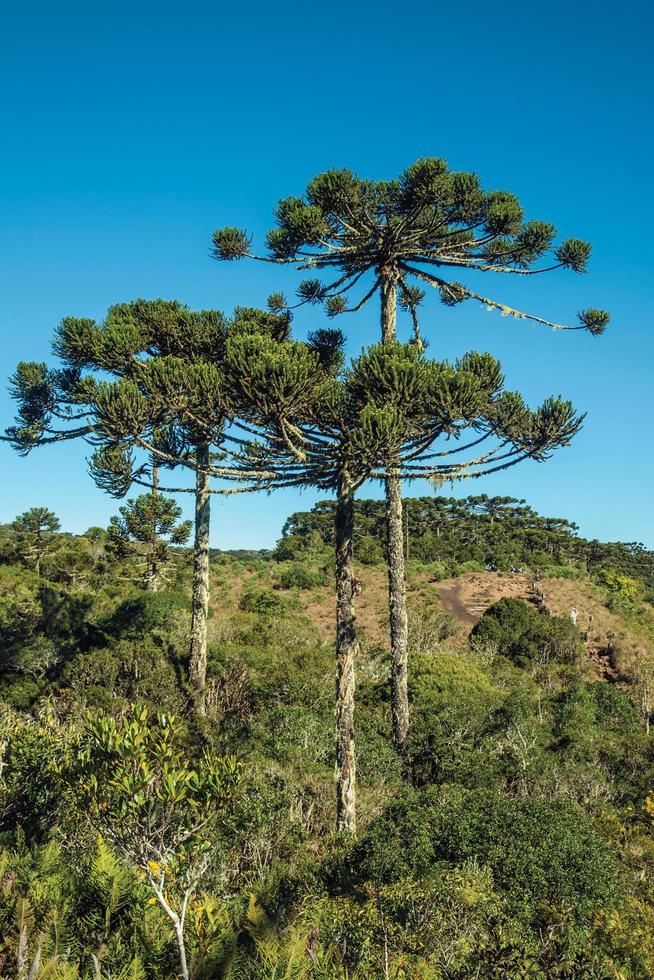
133	971
24	922
110	883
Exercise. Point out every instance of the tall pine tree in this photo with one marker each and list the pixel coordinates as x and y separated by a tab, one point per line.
337	433
168	404
361	239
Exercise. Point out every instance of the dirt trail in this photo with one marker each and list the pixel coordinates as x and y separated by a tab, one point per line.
452	603
469	596
604	633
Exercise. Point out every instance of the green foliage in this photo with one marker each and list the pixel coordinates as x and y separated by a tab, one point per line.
520	851
525	636
263	602
624	591
21	612
429	627
149	615
34	536
159	808
147	529
498	532
142	791
31	755
452	703
401	232
123	673
301	577
539	851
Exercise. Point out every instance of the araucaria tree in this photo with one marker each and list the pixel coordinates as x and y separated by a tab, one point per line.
166	406
145	532
362	239
34	536
336	433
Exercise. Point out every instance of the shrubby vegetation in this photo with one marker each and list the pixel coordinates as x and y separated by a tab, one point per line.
525	636
132	837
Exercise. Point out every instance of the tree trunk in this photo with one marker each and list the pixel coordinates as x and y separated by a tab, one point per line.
181	946
200	597
395	558
388	307
347	648
151	574
398	615
151	583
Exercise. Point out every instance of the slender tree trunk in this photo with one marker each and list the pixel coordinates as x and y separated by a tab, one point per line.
151	577
178	926
398	616
200	596
39	549
395	558
347	648
388	307
181	946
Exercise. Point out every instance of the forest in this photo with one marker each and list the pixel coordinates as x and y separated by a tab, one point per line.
412	740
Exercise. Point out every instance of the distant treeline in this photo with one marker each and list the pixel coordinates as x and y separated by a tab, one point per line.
498	532
241	554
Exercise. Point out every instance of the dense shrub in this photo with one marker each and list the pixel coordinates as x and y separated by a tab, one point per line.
126	672
20	609
539	851
525	636
429	627
369	550
301	577
153	614
452	702
263	602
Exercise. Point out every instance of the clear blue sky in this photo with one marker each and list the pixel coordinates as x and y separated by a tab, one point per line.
131	131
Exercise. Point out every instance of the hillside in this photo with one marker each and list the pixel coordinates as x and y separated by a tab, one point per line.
520	843
611	641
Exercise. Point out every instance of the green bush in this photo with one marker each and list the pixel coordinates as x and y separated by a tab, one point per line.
624	589
368	550
452	703
152	614
471	565
429	627
263	602
126	671
526	636
560	571
301	577
20	609
539	851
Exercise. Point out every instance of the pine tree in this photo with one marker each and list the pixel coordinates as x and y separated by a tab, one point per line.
169	403
367	238
336	433
146	530
34	536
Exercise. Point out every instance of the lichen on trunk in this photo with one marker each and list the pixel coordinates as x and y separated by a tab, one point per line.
347	648
395	555
200	588
397	614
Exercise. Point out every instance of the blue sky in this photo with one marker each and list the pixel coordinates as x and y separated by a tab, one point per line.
131	131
